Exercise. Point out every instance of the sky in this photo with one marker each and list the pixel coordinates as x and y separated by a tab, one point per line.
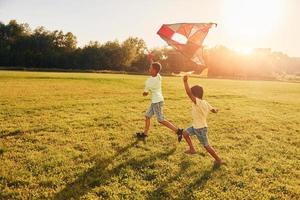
242	24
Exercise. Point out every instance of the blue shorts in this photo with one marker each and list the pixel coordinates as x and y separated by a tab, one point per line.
157	109
201	134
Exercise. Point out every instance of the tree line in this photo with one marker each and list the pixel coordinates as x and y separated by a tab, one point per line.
40	48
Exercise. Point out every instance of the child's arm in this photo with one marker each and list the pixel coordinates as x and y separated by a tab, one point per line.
212	109
188	89
146	89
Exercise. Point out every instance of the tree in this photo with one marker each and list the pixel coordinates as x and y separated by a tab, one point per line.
10	34
133	48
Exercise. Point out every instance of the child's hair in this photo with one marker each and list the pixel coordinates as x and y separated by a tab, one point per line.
156	66
197	91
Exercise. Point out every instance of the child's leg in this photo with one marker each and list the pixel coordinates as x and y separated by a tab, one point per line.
148	115
169	125
213	153
202	136
158	110
147	125
189	141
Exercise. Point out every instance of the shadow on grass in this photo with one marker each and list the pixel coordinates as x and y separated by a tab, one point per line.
186	192
12	133
199	183
2	150
99	174
161	191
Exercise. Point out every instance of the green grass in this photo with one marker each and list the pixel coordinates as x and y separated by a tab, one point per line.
71	135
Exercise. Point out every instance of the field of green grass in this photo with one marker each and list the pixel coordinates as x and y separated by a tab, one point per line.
71	136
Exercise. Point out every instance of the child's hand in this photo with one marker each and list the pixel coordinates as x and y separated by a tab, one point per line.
145	94
215	110
185	78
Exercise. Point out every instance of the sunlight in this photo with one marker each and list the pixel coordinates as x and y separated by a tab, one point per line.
179	38
250	19
245	51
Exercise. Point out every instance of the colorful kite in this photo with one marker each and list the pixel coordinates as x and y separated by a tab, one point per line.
187	38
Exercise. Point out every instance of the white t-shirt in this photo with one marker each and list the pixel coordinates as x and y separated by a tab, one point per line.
200	111
153	85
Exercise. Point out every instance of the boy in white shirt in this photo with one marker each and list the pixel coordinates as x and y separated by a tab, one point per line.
153	85
200	110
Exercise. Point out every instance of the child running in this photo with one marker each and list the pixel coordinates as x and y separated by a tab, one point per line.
200	110
153	85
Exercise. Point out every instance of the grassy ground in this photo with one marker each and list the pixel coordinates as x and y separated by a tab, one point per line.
71	135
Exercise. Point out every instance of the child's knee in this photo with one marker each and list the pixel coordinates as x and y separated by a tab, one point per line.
161	121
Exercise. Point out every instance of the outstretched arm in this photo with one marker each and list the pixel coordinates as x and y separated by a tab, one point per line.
188	89
212	109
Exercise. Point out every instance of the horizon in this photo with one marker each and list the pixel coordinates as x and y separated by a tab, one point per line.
266	27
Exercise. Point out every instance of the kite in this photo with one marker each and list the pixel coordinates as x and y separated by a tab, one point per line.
187	38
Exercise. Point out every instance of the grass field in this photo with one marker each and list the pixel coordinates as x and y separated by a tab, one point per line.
71	136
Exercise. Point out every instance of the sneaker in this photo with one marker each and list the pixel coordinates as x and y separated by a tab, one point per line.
141	135
179	134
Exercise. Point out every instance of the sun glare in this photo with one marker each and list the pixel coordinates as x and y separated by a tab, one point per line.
250	19
245	51
179	38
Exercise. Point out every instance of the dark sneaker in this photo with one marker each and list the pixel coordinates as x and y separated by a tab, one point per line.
138	134
141	135
179	134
